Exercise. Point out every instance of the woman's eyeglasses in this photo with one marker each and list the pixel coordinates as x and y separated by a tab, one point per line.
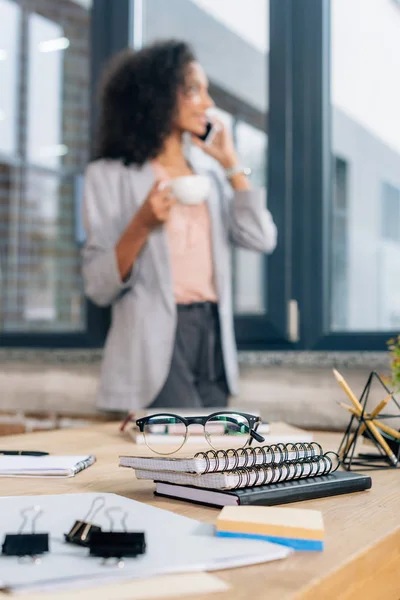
235	428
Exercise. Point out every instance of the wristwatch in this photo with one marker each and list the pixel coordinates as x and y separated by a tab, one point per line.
236	169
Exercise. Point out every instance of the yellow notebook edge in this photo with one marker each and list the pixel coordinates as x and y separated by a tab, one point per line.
286	531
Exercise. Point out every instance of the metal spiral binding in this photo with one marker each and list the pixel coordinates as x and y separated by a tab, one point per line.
276	473
249	457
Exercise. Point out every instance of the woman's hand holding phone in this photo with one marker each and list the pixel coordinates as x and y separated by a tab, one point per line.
218	144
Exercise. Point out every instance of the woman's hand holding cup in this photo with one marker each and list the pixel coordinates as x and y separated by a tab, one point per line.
157	207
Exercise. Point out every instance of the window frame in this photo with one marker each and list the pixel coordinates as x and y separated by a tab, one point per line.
272	329
299	182
109	32
313	184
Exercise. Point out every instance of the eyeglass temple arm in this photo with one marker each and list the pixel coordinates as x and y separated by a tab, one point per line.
130	417
253	432
256	436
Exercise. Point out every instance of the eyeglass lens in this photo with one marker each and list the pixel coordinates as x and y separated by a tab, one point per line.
222	431
162	426
228	429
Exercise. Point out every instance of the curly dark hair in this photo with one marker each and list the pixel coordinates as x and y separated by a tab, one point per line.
138	100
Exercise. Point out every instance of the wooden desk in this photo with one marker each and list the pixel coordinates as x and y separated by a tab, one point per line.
362	555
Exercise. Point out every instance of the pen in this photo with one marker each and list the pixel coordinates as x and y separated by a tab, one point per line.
22	453
370	425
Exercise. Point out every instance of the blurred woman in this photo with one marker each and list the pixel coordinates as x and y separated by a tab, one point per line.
158	246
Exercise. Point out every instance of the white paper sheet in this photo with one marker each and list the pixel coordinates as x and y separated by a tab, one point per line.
175	544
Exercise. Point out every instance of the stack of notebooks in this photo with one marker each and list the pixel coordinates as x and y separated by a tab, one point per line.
264	475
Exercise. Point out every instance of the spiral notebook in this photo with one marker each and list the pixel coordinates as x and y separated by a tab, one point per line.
212	461
44	466
296	490
248	476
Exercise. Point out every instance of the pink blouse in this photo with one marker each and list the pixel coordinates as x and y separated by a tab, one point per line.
190	245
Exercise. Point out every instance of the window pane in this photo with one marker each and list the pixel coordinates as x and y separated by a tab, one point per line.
252	148
390	213
249	284
41	288
47	45
43	269
231	40
365	214
9	50
339	247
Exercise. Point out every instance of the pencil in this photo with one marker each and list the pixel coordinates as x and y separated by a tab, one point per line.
383	426
389	430
377	408
392	432
360	431
381	405
371	426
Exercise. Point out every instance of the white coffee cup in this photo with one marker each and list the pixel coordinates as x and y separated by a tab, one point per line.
190	189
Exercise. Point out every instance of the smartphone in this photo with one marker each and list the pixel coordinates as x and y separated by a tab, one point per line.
209	134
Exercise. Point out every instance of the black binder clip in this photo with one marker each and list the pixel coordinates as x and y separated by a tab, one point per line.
117	544
82	530
27	544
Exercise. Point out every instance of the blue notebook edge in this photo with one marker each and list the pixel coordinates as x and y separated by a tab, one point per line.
296	544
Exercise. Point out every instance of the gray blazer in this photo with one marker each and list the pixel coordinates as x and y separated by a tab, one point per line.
140	341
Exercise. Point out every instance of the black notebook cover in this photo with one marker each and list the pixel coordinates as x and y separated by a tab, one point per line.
340	482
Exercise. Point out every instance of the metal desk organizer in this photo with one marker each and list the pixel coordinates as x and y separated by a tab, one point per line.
358	426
